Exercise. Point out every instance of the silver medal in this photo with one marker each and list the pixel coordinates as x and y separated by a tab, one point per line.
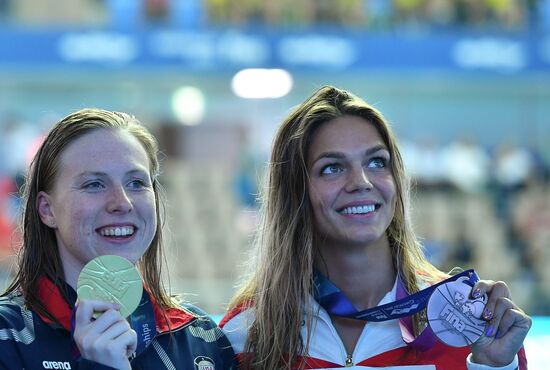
453	317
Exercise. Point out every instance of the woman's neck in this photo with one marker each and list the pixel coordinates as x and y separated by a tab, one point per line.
364	274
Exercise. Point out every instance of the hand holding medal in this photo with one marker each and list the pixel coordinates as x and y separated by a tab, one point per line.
109	289
462	311
507	325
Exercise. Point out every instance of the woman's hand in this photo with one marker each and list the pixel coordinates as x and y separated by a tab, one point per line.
507	325
108	340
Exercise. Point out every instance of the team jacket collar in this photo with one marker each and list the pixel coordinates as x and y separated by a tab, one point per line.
51	297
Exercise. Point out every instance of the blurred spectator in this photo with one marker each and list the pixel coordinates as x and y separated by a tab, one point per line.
16	137
513	167
371	14
4	9
509	14
466	165
378	13
542	159
424	163
9	238
247	175
157	10
531	223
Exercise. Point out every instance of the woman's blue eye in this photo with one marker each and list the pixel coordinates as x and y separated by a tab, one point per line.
94	185
377	163
137	184
331	169
140	183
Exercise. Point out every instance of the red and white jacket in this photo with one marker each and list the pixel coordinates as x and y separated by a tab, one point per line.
380	345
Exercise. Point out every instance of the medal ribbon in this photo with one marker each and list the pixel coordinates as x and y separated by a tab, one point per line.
142	320
337	304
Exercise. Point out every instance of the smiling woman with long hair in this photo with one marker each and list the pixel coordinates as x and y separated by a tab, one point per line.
335	209
93	190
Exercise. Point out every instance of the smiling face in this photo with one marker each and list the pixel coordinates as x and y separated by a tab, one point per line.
102	201
352	190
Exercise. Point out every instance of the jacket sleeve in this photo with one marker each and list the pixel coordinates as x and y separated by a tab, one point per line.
519	363
14	337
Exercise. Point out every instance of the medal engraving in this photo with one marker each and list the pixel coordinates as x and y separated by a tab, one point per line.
453	317
113	279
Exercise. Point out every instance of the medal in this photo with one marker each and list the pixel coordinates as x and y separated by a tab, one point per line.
453	317
113	279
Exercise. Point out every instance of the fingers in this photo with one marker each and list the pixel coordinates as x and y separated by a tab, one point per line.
507	317
507	325
494	291
513	319
86	308
131	342
109	339
502	307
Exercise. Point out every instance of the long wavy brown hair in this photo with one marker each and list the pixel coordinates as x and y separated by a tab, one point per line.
282	279
39	254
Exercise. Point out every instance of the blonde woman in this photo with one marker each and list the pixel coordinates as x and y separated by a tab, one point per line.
335	217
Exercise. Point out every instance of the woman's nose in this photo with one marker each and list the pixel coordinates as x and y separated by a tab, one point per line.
119	201
358	181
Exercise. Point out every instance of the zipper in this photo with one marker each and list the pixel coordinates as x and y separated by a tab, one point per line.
349	361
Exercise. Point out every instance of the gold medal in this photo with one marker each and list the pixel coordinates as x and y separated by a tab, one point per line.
113	279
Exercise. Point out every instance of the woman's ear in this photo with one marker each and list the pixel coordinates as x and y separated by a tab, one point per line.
45	211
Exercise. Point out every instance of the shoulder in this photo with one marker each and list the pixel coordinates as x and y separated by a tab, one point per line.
17	331
237	313
203	336
193	310
235	325
13	312
202	326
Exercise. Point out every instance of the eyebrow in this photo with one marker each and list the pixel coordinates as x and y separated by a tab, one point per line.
340	155
102	174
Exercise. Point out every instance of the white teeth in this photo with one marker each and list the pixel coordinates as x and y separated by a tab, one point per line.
117	231
358	210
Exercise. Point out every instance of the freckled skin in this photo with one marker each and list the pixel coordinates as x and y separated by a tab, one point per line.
92	191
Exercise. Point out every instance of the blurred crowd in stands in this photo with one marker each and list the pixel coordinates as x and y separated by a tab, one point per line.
364	14
376	14
487	208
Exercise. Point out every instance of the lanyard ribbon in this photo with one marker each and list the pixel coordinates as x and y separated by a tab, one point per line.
337	304
142	320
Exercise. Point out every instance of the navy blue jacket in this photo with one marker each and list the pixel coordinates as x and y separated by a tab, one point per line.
191	341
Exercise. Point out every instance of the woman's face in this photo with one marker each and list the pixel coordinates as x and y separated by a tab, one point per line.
102	201
352	189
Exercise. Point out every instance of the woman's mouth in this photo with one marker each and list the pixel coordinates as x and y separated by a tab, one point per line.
117	231
359	210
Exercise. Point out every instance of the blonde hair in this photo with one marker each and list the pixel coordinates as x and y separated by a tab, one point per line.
284	246
39	255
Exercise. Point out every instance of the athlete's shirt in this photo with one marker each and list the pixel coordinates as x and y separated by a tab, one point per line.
188	340
380	345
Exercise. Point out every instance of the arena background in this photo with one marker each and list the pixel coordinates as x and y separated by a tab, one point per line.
465	83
